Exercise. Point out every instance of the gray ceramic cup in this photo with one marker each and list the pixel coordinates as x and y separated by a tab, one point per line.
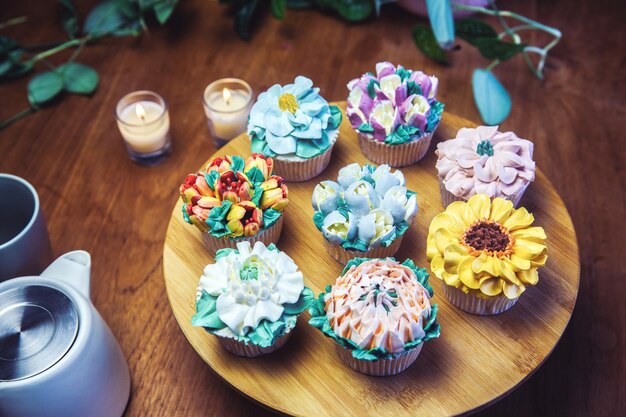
24	242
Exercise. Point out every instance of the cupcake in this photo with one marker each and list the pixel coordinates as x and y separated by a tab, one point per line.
486	253
250	298
379	313
484	161
365	213
235	200
296	126
395	113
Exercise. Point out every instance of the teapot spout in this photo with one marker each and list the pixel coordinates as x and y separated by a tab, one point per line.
74	269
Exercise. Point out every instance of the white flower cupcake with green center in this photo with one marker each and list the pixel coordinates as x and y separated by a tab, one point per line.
365	213
250	298
294	125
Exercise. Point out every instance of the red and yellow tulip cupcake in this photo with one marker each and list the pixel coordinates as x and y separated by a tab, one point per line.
235	200
486	253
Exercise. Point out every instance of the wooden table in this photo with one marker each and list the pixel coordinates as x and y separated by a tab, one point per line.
96	199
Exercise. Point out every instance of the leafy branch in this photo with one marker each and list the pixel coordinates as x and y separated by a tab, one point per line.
110	18
492	99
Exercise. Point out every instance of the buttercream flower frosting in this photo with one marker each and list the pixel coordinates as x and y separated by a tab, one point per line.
293	121
233	197
485	161
251	294
486	247
366	208
395	106
377	308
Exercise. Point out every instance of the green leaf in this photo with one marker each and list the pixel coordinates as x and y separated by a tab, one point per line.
270	216
305	299
278	9
354	10
440	15
492	99
69	18
44	87
492	48
237	163
471	30
164	9
243	17
206	313
79	78
255	176
114	17
299	4
318	219
335	117
425	40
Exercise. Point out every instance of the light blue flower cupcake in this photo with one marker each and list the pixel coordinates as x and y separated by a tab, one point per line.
365	213
297	127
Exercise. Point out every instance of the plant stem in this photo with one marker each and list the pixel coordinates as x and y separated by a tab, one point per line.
44	45
53	51
8	122
14	21
492	65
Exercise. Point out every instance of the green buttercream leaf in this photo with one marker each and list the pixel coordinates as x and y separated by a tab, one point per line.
401	228
306	298
403	73
260	146
434	116
206	313
335	118
421	274
370	88
216	221
256	197
237	164
272	246
211	177
270	216
224	252
318	219
185	215
402	134
357	245
364	355
366	128
410	194
413	88
342	208
308	148
352	262
255	175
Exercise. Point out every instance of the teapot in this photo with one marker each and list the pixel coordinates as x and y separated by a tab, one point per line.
58	357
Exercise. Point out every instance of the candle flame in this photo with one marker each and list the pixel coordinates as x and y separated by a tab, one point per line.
140	111
226	94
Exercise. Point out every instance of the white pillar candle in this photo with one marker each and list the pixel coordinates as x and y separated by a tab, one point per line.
227	104
145	126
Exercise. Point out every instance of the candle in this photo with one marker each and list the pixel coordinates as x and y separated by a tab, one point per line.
144	123
227	104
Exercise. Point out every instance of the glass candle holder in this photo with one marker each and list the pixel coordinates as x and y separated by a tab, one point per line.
144	123
227	103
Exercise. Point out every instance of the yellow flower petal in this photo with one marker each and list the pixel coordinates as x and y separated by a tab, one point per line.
486	263
508	272
431	248
466	274
481	205
530	277
444	238
500	210
519	262
540	260
535	234
527	249
519	219
451	279
491	286
462	211
447	221
512	291
436	265
453	256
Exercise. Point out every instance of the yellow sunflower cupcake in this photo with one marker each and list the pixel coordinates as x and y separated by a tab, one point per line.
486	253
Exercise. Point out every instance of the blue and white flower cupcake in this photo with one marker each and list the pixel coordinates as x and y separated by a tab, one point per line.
365	213
297	127
251	298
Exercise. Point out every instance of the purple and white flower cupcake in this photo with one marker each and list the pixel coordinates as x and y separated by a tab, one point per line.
484	161
395	113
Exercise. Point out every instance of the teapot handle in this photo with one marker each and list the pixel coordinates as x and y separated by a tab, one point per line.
74	269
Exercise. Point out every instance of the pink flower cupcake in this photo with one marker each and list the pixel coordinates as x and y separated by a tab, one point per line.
484	161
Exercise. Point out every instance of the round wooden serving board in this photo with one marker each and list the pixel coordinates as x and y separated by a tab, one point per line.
475	361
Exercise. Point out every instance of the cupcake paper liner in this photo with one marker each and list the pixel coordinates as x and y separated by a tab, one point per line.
381	367
448	198
304	169
343	256
251	350
471	303
266	236
395	155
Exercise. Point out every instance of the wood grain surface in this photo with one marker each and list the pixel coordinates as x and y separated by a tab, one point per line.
96	199
475	361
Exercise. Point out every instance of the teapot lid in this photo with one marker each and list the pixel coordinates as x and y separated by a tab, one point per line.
38	325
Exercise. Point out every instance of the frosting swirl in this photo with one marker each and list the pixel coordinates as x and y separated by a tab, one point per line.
485	161
378	304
